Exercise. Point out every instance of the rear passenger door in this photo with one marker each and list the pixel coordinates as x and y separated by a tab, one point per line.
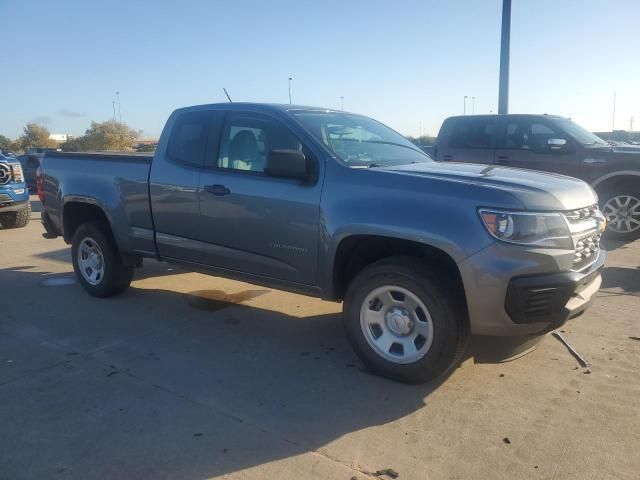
469	139
252	222
525	144
174	179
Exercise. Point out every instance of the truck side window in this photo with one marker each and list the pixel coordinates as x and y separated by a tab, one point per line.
247	140
474	133
529	136
188	140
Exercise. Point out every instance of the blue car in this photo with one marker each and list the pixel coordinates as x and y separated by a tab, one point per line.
15	208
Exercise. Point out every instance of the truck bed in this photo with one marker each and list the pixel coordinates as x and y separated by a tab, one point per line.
116	182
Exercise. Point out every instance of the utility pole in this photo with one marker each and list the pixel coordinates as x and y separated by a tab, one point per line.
631	124
290	78
503	93
113	104
420	129
342	104
613	120
473	105
464	105
119	111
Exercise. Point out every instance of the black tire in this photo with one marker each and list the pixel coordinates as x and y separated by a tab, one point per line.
117	276
17	219
610	196
450	326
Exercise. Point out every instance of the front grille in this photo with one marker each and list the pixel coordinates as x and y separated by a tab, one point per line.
5	198
584	224
5	174
581	214
586	251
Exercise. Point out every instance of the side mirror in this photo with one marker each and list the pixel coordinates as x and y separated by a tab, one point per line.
287	164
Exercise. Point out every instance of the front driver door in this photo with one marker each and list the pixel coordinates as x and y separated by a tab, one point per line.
251	222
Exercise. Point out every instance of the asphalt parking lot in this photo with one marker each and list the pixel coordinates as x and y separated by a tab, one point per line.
186	376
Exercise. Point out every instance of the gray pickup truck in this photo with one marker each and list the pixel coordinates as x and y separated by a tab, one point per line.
338	206
552	144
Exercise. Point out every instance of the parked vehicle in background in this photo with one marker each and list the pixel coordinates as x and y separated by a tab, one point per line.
30	164
338	206
43	150
552	144
15	209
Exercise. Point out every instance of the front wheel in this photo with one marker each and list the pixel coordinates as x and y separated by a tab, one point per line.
17	219
402	323
622	211
97	262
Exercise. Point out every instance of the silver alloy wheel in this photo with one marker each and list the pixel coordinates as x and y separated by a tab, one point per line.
396	324
90	261
622	213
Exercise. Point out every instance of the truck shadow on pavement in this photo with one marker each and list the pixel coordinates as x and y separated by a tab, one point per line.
149	385
626	279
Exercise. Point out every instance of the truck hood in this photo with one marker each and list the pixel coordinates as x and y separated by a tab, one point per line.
625	149
535	190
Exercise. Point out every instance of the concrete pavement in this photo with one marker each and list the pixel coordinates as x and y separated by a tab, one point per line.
193	377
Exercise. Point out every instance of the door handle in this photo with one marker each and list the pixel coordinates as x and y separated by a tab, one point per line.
218	190
447	157
502	159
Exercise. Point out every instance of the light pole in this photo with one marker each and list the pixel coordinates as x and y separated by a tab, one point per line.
464	106
473	105
613	120
503	93
342	104
119	111
290	78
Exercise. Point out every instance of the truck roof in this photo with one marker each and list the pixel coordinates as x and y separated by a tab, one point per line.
513	115
284	107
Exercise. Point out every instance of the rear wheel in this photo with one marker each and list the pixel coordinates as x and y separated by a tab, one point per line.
402	322
17	219
97	262
622	211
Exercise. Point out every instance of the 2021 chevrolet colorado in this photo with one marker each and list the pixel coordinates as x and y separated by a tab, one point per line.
338	206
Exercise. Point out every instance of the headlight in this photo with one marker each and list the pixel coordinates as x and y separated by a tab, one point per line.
16	170
526	228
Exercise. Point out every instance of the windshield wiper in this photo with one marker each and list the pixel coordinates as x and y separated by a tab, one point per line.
394	144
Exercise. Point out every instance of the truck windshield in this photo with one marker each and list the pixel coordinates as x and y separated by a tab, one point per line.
360	141
582	135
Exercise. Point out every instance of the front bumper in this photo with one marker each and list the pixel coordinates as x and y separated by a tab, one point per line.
513	291
13	197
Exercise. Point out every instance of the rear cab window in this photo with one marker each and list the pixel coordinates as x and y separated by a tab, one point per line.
194	137
474	133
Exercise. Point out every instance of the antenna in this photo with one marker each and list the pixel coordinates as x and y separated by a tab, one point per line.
227	94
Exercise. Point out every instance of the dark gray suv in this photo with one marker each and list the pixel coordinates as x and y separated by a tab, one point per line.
552	144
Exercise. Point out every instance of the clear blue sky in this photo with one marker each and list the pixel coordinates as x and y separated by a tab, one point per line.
402	62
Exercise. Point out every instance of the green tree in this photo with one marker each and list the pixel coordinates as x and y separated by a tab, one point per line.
6	144
104	136
146	147
423	140
35	135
